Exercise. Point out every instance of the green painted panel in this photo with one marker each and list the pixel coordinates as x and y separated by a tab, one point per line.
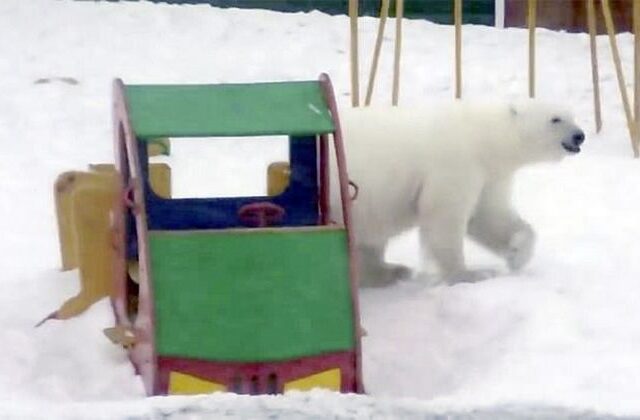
286	108
251	295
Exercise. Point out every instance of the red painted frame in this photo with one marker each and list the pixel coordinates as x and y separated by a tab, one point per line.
253	378
343	179
143	353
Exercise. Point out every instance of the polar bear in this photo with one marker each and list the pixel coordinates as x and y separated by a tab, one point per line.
447	169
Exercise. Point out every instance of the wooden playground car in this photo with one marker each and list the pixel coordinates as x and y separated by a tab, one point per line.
244	294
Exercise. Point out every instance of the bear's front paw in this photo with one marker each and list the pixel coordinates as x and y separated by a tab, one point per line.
520	248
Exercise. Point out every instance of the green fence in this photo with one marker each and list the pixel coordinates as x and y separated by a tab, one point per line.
440	11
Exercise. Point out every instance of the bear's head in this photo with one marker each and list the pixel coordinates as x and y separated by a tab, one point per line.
546	132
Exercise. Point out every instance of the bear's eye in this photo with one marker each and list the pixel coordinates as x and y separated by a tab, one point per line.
556	120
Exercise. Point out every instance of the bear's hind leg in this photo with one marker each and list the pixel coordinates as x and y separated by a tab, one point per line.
444	215
375	272
446	248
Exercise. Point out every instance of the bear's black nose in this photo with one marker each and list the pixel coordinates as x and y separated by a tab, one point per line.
578	138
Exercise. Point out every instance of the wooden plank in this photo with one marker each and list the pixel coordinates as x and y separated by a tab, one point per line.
622	86
457	18
531	15
397	52
591	17
384	13
355	67
636	73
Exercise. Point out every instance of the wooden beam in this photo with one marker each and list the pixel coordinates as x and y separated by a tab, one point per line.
636	74
384	13
532	47
457	18
355	69
398	49
611	31
499	9
591	23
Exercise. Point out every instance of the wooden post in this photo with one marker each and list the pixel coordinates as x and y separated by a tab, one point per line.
608	20
532	47
636	73
593	30
457	18
384	13
398	49
499	13
355	69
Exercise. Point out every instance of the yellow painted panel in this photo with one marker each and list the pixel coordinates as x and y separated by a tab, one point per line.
278	174
329	379
133	268
84	201
181	383
159	146
62	195
159	176
160	179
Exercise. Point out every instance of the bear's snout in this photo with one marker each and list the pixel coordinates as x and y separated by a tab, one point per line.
572	144
578	138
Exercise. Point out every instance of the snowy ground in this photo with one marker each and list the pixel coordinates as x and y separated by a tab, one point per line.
564	333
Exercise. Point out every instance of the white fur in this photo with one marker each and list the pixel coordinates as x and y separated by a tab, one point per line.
448	170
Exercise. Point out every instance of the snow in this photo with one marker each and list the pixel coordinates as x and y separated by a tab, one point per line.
559	339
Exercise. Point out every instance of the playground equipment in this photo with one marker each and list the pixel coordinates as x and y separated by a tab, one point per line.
245	294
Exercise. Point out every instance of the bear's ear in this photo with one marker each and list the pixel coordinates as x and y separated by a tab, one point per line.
512	110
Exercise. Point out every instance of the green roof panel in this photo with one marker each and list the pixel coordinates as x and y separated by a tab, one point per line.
258	109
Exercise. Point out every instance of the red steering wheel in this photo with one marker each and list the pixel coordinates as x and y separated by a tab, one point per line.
261	214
